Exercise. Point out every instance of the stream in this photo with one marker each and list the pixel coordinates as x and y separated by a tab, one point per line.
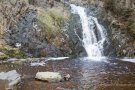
86	74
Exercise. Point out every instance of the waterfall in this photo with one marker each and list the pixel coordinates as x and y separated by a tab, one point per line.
93	33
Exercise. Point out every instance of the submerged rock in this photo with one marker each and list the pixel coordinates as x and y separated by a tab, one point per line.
12	77
49	76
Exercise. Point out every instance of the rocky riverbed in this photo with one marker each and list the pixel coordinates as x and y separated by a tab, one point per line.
85	74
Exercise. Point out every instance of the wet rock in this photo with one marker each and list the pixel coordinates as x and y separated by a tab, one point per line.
15	82
12	76
67	77
49	76
73	34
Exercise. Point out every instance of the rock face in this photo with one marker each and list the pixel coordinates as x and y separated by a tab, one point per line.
44	28
49	76
37	25
118	17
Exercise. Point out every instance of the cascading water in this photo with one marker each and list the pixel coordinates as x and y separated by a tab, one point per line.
93	34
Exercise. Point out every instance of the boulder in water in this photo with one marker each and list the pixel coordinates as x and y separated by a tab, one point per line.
12	77
49	76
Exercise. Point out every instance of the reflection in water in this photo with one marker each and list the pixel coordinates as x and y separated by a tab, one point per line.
91	74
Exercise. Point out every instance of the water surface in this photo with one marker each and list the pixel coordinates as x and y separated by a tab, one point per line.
85	75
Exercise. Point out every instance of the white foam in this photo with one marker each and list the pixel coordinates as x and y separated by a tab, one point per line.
37	64
57	58
128	59
95	59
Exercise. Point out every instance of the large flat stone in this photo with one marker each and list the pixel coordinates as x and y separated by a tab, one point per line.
49	76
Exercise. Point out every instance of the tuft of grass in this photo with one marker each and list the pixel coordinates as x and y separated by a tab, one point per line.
51	20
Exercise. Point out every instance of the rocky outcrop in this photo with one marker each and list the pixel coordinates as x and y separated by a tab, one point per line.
118	17
44	28
37	27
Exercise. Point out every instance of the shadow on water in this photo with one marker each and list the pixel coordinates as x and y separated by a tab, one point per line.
85	75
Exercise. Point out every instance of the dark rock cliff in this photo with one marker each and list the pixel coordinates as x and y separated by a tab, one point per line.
118	17
38	27
44	28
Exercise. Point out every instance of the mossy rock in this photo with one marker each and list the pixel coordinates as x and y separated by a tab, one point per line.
12	52
3	56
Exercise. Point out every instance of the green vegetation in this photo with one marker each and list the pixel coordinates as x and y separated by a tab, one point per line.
3	56
14	52
45	18
51	20
131	26
11	52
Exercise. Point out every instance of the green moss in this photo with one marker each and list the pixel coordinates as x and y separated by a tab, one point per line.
45	18
12	52
59	15
52	18
3	56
